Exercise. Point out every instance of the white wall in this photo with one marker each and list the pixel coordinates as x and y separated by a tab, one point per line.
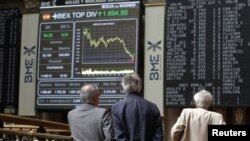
27	85
154	47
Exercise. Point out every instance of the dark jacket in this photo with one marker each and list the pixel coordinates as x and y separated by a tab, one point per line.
136	119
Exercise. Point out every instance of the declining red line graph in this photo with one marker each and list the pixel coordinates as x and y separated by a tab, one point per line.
96	42
107	42
106	47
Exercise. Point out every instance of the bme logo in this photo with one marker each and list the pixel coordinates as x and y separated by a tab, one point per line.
154	60
28	64
155	64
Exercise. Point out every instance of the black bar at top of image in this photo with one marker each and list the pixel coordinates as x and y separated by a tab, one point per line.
54	3
239	132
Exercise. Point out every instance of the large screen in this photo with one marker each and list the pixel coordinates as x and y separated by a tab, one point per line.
83	43
9	58
207	47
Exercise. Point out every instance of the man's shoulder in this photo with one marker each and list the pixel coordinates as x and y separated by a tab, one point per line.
119	102
77	109
188	110
149	102
129	100
72	112
201	111
141	100
215	113
101	109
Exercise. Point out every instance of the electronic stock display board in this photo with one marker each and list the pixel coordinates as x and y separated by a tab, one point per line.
84	42
9	57
207	47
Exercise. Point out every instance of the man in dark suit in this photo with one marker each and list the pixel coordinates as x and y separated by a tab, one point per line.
134	118
89	122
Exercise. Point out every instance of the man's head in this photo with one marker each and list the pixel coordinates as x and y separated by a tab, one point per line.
132	83
90	94
203	99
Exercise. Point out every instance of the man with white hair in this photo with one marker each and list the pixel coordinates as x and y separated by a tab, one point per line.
135	118
192	124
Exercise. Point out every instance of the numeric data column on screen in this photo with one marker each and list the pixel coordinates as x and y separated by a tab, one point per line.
207	47
55	54
2	41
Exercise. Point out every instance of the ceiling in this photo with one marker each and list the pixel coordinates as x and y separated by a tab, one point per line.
32	6
26	6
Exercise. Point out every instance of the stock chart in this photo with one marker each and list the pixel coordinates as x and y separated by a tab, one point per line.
82	43
106	48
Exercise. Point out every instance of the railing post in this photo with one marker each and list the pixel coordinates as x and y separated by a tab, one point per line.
41	129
